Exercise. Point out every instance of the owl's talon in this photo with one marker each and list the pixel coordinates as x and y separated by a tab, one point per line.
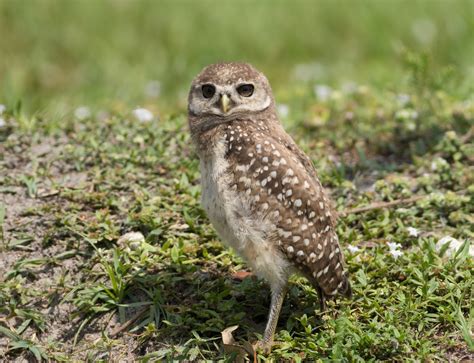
264	346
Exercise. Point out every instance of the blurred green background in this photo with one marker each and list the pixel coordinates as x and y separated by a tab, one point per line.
56	55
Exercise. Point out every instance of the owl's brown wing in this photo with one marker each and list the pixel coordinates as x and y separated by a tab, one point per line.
306	162
279	184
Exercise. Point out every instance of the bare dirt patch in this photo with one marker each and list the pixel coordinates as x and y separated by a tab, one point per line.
35	188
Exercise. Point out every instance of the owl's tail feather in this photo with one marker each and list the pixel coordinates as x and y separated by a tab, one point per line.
345	291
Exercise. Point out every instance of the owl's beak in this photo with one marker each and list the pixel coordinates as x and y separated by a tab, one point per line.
225	103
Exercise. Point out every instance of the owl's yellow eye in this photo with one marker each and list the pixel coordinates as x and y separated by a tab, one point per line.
208	90
245	90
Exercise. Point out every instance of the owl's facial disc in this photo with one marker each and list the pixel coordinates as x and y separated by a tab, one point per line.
225	100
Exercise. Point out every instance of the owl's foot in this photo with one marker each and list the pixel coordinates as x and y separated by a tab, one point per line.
265	346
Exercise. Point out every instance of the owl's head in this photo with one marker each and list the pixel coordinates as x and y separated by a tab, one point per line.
226	91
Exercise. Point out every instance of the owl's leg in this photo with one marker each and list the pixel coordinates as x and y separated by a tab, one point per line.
278	295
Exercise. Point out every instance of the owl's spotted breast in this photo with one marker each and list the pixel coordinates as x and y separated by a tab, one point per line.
232	213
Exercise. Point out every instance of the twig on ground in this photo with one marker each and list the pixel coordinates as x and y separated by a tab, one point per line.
393	203
121	327
381	205
467	136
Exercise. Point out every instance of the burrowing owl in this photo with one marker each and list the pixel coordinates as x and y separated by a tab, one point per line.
259	190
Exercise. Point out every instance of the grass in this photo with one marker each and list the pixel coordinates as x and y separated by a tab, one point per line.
71	289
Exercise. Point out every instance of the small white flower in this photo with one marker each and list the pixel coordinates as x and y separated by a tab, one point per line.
353	249
453	245
2	109
396	253
322	92
402	114
403	99
394	249
283	110
153	89
131	239
406	114
413	232
2	122
394	246
439	163
82	113
142	114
